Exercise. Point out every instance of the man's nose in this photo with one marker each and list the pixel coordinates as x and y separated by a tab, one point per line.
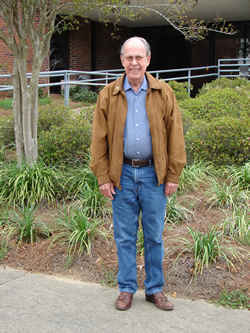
134	62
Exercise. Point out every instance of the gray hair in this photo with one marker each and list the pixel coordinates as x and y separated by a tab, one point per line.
144	42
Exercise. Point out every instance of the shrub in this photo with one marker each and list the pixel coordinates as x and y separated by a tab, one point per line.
180	89
68	144
217	103
187	119
82	94
225	83
7	134
224	141
52	116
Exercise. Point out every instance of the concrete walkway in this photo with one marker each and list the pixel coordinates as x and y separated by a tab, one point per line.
34	303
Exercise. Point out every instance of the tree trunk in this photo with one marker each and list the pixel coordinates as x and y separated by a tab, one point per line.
26	112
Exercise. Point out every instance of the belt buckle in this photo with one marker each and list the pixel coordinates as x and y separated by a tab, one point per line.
134	161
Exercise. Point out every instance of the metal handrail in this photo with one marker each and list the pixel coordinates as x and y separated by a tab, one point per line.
103	77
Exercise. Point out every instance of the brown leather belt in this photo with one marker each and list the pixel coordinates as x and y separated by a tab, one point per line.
138	163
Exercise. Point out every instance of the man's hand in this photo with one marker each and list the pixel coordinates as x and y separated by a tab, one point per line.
107	190
170	188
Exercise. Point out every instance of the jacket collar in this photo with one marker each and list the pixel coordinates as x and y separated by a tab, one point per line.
152	83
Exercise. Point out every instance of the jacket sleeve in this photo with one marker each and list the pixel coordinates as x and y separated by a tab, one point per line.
175	140
99	163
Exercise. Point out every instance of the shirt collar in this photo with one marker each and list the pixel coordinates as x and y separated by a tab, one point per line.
127	86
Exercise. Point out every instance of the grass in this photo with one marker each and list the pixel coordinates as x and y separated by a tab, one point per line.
140	241
223	195
194	174
6	103
207	248
235	299
84	187
238	227
29	185
21	225
77	231
240	176
176	213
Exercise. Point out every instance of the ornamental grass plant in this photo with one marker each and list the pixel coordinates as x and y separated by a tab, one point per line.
21	225
29	185
237	227
77	231
208	248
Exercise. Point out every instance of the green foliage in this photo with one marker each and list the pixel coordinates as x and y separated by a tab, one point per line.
45	100
77	231
187	119
193	175
82	94
7	135
53	116
6	103
140	241
217	103
207	248
180	89
223	82
235	299
67	144
3	247
226	196
240	176
21	225
223	141
238	227
83	185
176	213
29	185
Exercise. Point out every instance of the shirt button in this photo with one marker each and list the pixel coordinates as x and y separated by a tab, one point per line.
137	139
136	125
138	153
136	110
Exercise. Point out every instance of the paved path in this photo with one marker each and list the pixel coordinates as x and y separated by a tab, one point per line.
34	303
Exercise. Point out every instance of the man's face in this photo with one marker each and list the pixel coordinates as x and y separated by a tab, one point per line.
134	60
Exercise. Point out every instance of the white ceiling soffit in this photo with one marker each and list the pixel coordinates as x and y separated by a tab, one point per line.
230	10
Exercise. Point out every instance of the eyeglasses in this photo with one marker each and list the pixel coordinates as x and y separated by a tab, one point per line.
131	58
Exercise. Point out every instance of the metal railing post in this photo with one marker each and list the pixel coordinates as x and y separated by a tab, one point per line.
189	82
66	89
218	70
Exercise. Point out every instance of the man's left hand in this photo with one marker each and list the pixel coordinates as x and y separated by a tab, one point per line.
170	188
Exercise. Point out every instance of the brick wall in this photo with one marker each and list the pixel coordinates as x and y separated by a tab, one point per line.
6	61
80	48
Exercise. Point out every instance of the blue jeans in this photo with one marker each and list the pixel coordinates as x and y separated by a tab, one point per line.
139	193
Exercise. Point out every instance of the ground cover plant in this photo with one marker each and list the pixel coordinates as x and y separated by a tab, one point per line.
209	212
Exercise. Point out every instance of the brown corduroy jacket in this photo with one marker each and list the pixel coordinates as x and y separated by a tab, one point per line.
165	127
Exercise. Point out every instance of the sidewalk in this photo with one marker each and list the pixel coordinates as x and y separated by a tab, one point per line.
36	303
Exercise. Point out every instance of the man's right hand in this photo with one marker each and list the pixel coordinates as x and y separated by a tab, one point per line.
107	190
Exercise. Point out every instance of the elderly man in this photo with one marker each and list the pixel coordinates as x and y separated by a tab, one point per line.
137	155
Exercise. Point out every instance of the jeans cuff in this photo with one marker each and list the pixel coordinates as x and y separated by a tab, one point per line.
154	291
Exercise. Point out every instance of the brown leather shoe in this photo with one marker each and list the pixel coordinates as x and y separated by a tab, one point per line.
124	301
161	301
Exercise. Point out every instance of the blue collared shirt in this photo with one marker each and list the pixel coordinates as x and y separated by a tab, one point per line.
137	136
